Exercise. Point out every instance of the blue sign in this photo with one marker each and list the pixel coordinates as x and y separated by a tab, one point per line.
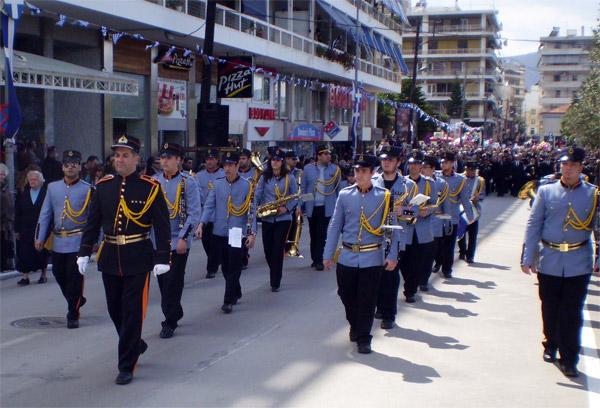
306	132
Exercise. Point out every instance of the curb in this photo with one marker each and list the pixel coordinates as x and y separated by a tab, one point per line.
9	275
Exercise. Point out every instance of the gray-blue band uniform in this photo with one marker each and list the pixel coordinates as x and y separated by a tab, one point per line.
549	221
312	182
265	192
182	225
350	203
425	185
216	207
206	181
54	210
457	194
437	224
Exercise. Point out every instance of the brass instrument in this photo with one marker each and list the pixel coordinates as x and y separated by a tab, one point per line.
528	190
258	164
294	243
269	209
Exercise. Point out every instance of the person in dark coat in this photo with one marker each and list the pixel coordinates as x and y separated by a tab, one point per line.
52	168
518	171
503	176
27	210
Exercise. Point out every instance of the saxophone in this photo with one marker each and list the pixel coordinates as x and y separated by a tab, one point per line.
269	209
294	250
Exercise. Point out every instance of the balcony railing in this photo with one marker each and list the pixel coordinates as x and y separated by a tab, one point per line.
458	73
255	27
378	15
441	51
448	94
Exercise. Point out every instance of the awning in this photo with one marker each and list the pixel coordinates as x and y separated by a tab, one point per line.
255	8
397	9
343	21
399	58
379	43
36	71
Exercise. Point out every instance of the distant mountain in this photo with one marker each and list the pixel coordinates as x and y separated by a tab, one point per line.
530	61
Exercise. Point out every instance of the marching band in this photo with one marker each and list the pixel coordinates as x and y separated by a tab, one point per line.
370	221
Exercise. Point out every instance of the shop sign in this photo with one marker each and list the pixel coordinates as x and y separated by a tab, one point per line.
305	132
172	99
175	60
331	129
261	114
235	78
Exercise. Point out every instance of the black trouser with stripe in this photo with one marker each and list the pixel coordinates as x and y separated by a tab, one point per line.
317	227
212	264
413	261
447	245
563	300
387	296
70	281
127	299
430	258
468	248
171	289
274	236
230	259
357	287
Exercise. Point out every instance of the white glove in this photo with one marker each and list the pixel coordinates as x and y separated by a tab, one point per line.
159	269
82	262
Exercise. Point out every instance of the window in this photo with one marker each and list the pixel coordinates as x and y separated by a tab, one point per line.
556	78
574	77
261	89
281	100
317	105
557	94
300	103
433	44
463	44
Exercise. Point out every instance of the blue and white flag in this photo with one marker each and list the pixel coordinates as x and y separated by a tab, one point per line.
355	114
11	12
13	8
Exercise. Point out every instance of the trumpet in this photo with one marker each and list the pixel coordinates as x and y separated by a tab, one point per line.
294	243
269	209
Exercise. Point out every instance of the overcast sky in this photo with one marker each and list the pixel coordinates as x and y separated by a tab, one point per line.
532	19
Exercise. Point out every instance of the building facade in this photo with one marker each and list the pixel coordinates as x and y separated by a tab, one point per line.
301	60
563	65
457	46
531	111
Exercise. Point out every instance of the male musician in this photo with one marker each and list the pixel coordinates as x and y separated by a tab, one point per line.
126	207
457	194
402	190
249	172
562	218
322	179
206	179
360	214
183	201
437	223
419	246
475	185
230	205
66	207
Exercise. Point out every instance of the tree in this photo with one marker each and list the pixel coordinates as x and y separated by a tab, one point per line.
582	120
456	101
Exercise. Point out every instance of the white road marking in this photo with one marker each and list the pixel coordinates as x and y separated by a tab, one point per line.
591	362
19	340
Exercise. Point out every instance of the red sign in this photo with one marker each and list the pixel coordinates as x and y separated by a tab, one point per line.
262	130
341	97
261	113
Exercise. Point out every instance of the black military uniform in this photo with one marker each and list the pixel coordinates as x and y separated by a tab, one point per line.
126	208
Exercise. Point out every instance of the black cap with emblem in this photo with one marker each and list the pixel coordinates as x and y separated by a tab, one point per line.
365	160
430	161
390	152
574	154
71	156
291	154
471	164
212	153
245	152
171	149
231	157
278	154
449	156
416	157
129	142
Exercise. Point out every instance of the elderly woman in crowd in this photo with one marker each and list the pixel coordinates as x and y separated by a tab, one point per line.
28	207
7	219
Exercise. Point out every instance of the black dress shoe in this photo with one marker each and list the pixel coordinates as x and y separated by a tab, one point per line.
470	261
319	267
410	299
244	267
42	279
378	315
353	336
569	370
23	282
166	332
424	288
210	275
227	308
274	289
314	264
447	275
387	324
549	355
72	323
83	302
364	348
462	257
124	377
143	346
436	268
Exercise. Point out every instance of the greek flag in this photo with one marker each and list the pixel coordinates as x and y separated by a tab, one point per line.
11	11
355	114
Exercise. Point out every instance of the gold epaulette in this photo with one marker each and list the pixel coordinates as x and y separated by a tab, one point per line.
149	179
105	178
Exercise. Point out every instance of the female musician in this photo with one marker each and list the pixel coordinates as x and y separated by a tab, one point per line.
274	188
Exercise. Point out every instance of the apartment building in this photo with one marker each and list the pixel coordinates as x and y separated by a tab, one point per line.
81	81
531	111
457	46
563	65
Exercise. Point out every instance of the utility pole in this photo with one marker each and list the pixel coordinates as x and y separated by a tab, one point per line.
413	134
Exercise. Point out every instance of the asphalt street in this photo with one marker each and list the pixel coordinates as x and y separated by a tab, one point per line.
473	340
